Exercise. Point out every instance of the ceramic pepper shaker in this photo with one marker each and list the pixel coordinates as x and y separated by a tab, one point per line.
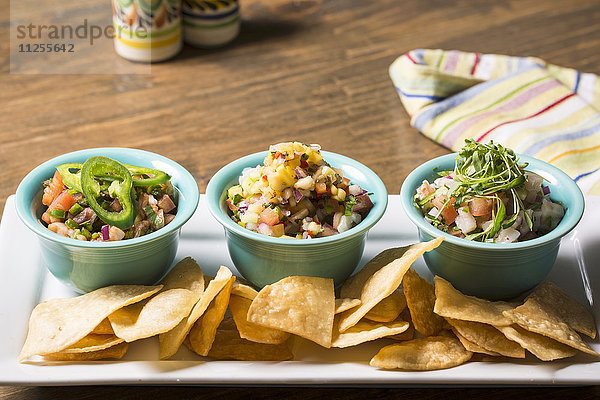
147	30
210	23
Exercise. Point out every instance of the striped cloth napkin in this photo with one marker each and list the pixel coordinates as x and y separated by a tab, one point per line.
535	108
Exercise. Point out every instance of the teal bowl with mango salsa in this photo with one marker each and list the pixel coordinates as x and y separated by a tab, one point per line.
263	259
495	271
86	266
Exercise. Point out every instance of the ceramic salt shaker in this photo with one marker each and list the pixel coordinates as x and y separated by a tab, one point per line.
147	30
210	23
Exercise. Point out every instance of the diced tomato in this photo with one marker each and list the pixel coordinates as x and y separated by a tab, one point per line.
480	206
269	216
52	191
320	188
49	219
448	211
64	202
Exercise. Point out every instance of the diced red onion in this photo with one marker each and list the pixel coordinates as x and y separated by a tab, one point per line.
297	195
105	232
264	229
354	190
87	215
300	173
545	190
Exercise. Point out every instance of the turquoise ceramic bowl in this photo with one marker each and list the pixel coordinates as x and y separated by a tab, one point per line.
495	270
263	260
86	266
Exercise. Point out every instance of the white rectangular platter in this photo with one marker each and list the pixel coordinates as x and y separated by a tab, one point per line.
25	282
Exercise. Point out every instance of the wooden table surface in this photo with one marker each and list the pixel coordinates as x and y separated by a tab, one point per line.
307	70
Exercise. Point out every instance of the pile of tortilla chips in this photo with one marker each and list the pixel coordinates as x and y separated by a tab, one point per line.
434	326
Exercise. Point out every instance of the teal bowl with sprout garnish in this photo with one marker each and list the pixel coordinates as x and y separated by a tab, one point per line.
530	205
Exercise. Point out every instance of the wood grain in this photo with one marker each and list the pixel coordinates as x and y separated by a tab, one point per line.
308	70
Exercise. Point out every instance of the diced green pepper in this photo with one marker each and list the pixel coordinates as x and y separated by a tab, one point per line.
101	168
86	233
57	213
71	224
76	209
350	202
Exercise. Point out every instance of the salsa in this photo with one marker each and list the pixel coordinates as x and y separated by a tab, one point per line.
296	193
104	200
489	197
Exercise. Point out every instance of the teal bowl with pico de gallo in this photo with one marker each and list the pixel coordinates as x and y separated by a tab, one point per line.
107	216
504	236
296	210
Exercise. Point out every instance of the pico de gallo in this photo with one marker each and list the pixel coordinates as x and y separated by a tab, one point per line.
104	200
489	197
296	193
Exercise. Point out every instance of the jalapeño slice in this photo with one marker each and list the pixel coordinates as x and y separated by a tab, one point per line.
103	169
142	177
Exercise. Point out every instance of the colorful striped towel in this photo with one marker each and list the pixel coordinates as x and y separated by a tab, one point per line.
546	111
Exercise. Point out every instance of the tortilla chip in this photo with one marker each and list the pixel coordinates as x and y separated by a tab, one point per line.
204	330
242	290
451	303
171	341
540	346
385	279
574	314
420	298
115	352
427	354
186	274
473	347
93	342
228	345
57	324
157	315
540	317
409	333
104	328
239	307
182	288
366	331
487	337
302	305
388	309
342	305
353	286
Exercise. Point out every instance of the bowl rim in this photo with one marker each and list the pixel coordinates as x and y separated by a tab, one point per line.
216	187
32	179
577	204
